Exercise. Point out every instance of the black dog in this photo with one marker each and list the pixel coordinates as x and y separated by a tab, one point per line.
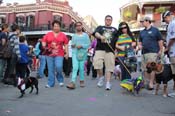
163	74
24	84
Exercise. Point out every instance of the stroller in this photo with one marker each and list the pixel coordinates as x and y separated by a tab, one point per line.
135	84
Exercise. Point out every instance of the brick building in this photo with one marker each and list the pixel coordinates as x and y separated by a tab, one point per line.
38	16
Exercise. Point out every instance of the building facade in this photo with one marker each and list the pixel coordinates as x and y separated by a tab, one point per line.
39	16
91	22
136	9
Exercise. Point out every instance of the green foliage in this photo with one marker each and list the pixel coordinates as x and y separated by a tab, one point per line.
160	10
127	14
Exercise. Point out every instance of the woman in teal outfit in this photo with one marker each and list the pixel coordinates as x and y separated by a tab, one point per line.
80	45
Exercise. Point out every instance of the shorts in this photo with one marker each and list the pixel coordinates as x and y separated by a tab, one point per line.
102	57
149	57
172	61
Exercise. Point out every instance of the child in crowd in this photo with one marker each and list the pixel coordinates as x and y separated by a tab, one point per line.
21	66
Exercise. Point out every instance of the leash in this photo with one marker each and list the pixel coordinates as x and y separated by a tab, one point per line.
119	59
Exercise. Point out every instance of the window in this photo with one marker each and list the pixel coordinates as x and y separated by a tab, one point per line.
58	18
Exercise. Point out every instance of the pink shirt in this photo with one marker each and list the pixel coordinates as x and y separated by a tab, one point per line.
55	44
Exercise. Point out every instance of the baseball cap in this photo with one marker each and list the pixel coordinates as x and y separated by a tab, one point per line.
146	18
165	14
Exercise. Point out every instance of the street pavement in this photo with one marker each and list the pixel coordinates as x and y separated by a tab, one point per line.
88	101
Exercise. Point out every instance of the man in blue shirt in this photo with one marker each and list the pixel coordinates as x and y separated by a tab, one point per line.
151	43
168	18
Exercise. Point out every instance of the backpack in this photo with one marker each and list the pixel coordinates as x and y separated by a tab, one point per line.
6	51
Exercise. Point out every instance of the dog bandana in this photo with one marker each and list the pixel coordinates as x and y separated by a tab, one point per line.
21	84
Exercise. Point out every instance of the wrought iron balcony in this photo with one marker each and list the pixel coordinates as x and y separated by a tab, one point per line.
45	27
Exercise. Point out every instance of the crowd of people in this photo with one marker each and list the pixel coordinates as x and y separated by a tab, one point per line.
83	53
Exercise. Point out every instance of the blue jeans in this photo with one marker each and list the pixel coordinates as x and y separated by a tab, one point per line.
55	67
2	67
125	74
77	65
42	66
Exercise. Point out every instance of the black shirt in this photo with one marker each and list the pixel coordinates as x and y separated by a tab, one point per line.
110	33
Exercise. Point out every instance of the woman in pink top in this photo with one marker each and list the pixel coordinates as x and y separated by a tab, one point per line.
53	43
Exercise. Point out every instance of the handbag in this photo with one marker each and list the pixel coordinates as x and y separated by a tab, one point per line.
81	54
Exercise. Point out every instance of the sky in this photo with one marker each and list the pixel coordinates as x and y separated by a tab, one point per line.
97	8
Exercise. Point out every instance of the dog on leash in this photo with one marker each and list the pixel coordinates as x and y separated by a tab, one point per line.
117	72
24	84
163	74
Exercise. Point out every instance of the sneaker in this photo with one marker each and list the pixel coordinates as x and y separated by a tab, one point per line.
61	84
100	82
108	86
71	85
82	84
165	96
47	86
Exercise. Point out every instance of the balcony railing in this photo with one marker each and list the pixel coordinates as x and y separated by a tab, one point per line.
45	27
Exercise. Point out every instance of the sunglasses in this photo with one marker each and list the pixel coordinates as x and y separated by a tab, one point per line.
123	28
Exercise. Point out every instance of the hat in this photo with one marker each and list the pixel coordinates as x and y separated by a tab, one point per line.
165	14
146	18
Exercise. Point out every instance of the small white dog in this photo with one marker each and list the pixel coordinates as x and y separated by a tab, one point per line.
117	72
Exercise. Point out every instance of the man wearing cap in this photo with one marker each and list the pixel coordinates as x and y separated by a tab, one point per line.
151	43
168	18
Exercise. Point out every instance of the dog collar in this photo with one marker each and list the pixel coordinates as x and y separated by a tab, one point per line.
159	72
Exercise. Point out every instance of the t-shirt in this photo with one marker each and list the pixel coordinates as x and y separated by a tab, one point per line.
23	51
149	39
123	40
82	40
3	35
55	44
111	36
171	35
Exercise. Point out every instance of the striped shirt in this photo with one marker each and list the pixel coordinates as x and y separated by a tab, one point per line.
123	40
14	42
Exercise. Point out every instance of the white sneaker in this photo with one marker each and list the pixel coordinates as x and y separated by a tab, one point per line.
47	86
165	96
108	86
100	82
61	84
